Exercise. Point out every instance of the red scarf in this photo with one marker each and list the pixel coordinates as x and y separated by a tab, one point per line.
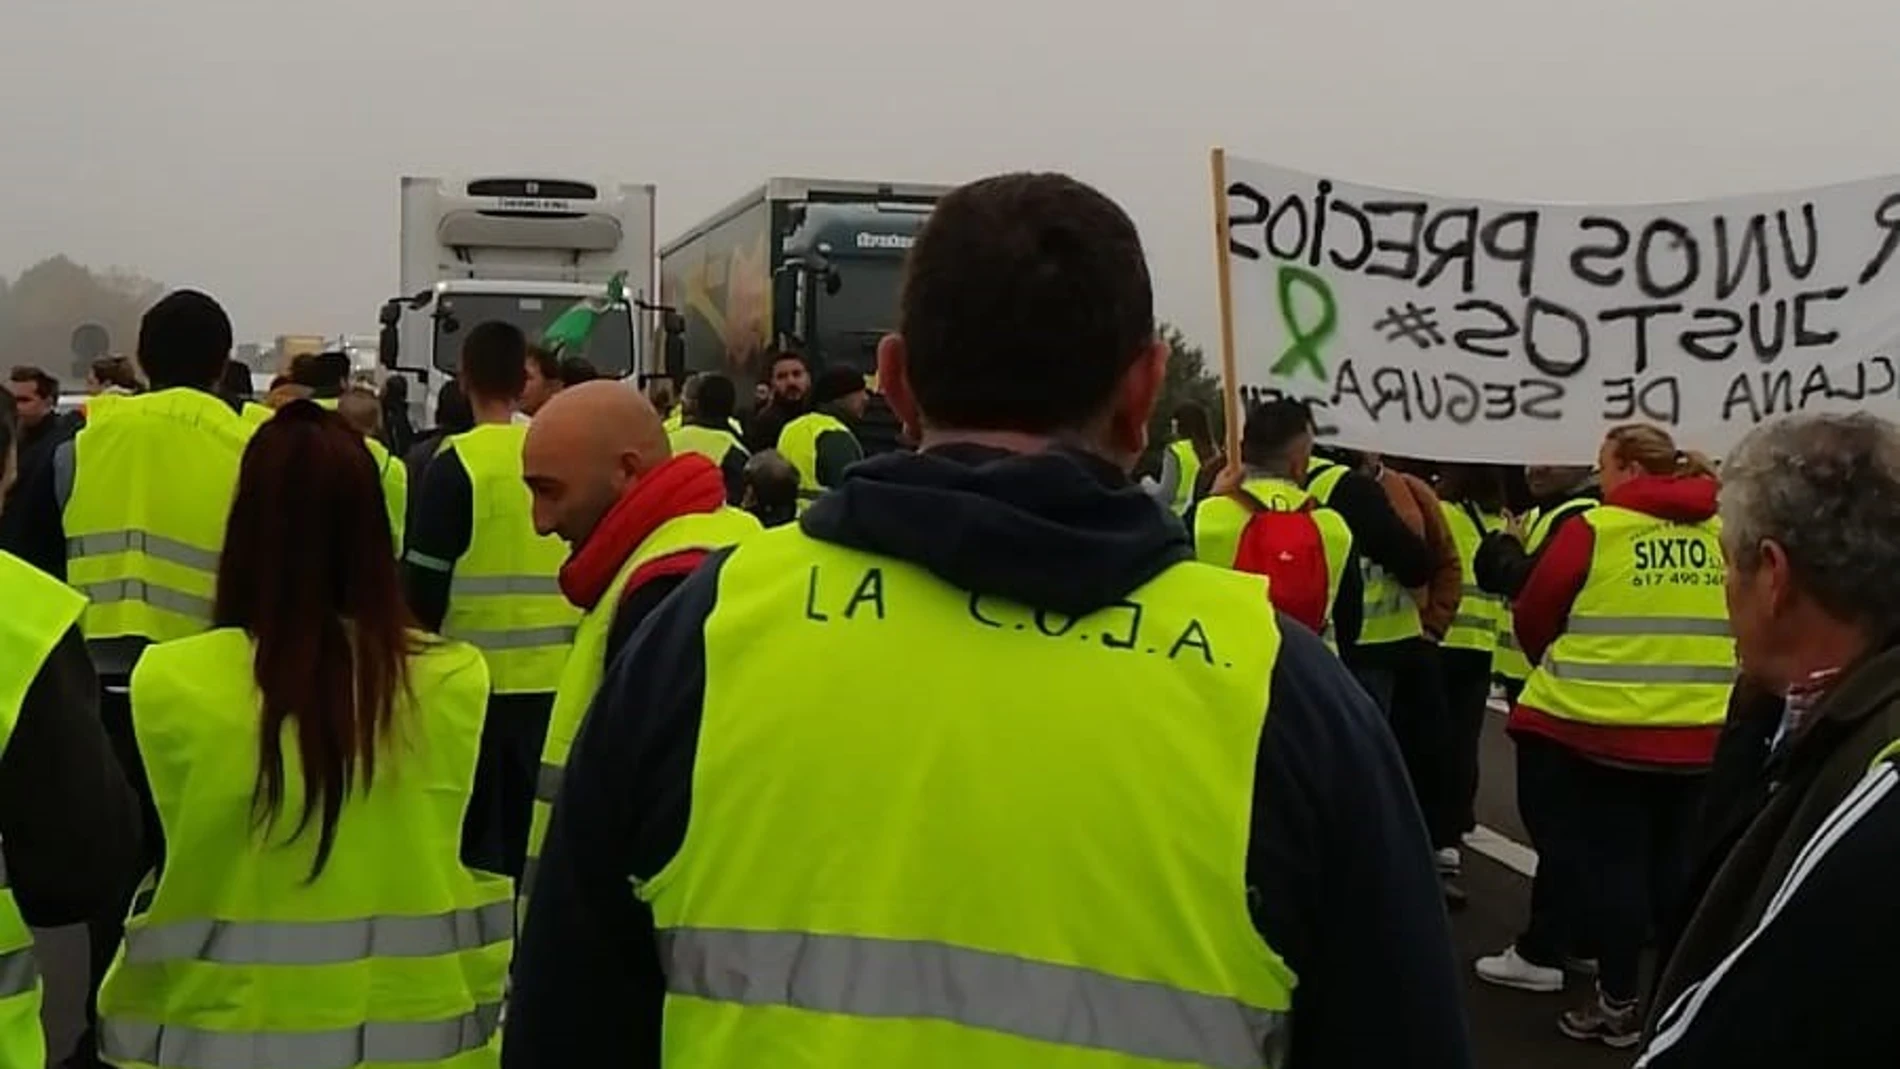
687	484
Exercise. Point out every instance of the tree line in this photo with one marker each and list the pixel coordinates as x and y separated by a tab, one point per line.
42	307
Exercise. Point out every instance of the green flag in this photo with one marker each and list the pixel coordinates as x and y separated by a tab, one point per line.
570	331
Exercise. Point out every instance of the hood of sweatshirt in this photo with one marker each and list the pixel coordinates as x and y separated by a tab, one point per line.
1059	530
1676	498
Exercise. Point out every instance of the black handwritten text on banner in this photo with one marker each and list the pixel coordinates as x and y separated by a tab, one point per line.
1473	330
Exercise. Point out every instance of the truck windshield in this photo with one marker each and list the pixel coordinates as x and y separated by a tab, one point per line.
609	348
864	309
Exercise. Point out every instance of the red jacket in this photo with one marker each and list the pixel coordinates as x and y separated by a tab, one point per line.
1543	606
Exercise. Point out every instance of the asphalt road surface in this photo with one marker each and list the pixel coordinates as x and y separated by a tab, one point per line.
1511	1029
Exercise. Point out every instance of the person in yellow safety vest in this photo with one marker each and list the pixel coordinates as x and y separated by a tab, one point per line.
661	394
1393	558
688	412
131	513
1471	500
311	907
1625	618
688	406
69	821
639	519
363	410
1505	556
1182	462
477	571
1275	448
1556	934
820	443
956	859
711	432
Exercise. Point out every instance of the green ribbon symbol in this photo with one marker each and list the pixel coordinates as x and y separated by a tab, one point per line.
1307	340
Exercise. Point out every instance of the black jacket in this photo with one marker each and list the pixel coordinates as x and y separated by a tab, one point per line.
1809	969
1378	534
1502	563
1337	862
68	816
1811	983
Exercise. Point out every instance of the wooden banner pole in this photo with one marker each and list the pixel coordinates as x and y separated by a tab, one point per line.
1224	287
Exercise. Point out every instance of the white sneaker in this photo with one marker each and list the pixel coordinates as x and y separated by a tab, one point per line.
1449	861
1508	969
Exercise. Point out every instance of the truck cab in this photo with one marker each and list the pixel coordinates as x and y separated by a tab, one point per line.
843	268
802	264
523	250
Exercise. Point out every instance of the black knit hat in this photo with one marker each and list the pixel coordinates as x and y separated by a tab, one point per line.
835	383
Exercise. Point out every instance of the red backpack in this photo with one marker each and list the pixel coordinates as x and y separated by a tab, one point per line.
1287	548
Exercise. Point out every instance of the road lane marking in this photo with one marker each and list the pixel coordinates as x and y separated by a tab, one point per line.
1492	843
1512	855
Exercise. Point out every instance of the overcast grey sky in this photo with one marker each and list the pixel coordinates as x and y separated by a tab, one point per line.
252	147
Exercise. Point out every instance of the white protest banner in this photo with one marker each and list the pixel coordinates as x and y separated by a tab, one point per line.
1462	329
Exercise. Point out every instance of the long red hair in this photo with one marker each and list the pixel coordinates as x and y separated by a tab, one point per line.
309	571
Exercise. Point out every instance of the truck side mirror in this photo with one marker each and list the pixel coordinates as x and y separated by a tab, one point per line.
673	356
833	282
389	334
672	324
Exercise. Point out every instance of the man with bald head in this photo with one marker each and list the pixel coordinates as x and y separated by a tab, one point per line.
639	519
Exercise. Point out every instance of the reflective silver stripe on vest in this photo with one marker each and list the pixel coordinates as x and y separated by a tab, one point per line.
547	783
19	973
810	495
158	597
1577	672
319	942
180	1047
523	639
1475	623
131	541
886	978
1507	638
497	585
1471	590
1672	626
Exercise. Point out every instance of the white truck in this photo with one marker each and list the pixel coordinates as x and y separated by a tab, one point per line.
521	249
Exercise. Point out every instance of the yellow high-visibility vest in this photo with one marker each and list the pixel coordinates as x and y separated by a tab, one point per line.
1647	642
39	612
962	921
153	479
394	476
798	444
1188	463
586	663
1390	613
505	595
1509	662
709	442
394	955
1475	627
1219	523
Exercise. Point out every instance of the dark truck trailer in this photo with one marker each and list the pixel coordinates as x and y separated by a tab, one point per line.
806	264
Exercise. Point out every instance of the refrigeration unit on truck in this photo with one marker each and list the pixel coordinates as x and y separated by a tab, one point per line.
807	264
524	250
